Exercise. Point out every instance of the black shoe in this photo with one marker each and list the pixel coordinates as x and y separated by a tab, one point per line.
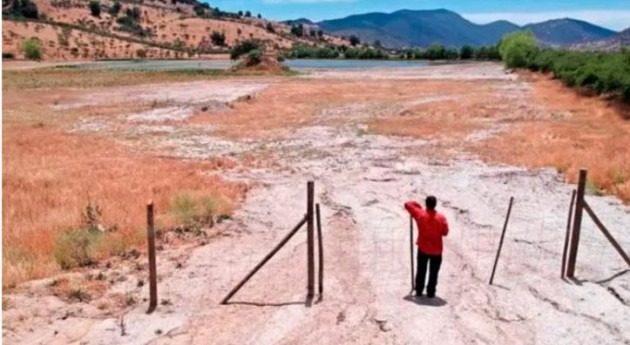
431	295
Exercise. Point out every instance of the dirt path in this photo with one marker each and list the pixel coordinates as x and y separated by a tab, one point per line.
361	182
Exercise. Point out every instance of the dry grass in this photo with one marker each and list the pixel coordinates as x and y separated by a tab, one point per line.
596	137
78	78
49	177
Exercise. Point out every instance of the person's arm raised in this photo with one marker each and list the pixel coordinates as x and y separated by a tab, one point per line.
414	208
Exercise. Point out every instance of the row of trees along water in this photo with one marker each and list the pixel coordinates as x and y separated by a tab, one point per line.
601	72
433	52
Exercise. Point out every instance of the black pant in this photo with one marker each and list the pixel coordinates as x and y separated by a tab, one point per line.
434	262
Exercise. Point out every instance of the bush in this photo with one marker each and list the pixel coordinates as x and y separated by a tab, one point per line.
95	8
22	8
32	50
466	52
297	30
191	213
270	28
141	53
301	51
518	48
199	10
243	48
115	9
354	41
77	247
8	56
365	53
218	38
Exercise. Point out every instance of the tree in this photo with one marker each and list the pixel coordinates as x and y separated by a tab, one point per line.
435	52
270	27
115	9
244	48
199	10
32	50
218	38
95	8
517	48
23	8
466	52
354	41
248	14
259	16
297	30
320	33
240	13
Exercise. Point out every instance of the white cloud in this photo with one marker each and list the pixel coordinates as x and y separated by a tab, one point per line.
613	19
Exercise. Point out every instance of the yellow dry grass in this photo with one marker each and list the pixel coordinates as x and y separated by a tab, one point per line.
49	177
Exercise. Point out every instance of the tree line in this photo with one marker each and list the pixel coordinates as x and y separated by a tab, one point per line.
602	72
433	52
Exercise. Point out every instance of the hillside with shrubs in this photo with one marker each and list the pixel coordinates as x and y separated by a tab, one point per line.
124	29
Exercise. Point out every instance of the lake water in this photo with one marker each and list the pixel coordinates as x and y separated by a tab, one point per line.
301	64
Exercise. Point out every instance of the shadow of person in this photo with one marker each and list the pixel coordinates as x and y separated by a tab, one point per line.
426	301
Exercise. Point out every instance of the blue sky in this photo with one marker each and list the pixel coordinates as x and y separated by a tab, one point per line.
614	14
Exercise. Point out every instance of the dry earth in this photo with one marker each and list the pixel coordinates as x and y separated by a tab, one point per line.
370	140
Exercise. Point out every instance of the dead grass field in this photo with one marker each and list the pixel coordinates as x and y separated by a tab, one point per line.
50	174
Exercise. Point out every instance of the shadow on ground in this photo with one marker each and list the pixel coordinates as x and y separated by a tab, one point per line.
423	300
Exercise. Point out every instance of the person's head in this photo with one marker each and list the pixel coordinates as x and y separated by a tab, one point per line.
431	202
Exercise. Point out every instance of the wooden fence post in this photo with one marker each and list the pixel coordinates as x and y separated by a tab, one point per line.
496	259
577	224
153	299
321	251
567	236
310	238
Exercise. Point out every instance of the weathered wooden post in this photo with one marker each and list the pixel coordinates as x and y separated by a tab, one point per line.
496	259
321	251
567	236
577	224
153	299
310	240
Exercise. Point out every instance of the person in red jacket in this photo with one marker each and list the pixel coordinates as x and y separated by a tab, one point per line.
432	226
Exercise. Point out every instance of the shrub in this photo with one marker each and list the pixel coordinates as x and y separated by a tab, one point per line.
8	55
77	247
254	57
115	9
95	8
466	52
301	51
354	41
270	28
297	30
32	50
218	38
518	48
243	48
23	8
199	10
141	53
193	213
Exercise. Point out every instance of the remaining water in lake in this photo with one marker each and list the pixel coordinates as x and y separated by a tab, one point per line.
303	64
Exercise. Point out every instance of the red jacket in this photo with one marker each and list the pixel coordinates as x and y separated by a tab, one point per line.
432	226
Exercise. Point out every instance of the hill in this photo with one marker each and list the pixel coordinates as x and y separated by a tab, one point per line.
616	42
424	27
568	31
417	28
68	30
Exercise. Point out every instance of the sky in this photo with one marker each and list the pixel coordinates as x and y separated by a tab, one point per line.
612	14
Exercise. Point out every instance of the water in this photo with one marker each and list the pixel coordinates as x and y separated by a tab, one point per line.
302	64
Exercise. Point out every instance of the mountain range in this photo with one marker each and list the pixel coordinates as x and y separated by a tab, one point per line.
421	28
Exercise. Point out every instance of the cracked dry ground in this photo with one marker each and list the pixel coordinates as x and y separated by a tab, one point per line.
331	132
